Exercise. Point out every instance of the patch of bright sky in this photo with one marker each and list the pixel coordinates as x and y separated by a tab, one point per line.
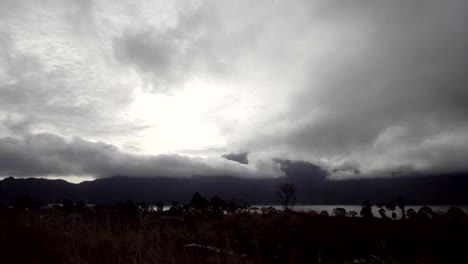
181	119
71	179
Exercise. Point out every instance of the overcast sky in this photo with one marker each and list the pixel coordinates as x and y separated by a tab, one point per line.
96	88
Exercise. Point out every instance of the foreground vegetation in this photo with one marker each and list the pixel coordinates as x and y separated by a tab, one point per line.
219	232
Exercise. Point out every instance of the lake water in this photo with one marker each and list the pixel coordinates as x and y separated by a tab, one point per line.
357	208
375	209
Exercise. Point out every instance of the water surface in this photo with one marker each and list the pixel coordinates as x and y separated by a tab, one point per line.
357	208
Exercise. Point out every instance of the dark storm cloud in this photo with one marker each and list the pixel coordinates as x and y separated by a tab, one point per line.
48	154
391	94
238	157
363	88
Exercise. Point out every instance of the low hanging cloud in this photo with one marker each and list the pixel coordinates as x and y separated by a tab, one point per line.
364	89
51	155
385	95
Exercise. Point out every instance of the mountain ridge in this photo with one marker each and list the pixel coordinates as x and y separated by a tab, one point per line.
311	182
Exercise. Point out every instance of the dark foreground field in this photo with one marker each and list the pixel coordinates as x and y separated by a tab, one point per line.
124	235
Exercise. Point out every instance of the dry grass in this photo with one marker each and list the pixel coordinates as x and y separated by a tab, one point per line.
115	237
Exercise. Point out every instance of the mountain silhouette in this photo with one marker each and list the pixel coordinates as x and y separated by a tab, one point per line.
312	188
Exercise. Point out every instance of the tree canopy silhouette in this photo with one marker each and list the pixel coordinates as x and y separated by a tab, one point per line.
198	202
366	210
286	195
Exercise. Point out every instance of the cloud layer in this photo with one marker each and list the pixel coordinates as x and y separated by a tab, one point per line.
364	89
48	154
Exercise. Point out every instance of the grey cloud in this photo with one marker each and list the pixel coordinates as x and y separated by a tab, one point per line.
158	56
39	98
238	157
335	78
61	92
374	87
388	65
48	154
209	39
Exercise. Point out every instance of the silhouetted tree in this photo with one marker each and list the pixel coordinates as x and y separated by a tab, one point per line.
286	195
425	212
175	205
383	213
411	213
67	205
243	207
313	212
231	207
340	212
254	209
217	205
268	210
401	205
198	202
143	207
129	208
80	206
352	213
22	202
366	209
324	213
159	206
455	213
391	206
176	208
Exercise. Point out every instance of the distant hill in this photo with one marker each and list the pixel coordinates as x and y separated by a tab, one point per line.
310	180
